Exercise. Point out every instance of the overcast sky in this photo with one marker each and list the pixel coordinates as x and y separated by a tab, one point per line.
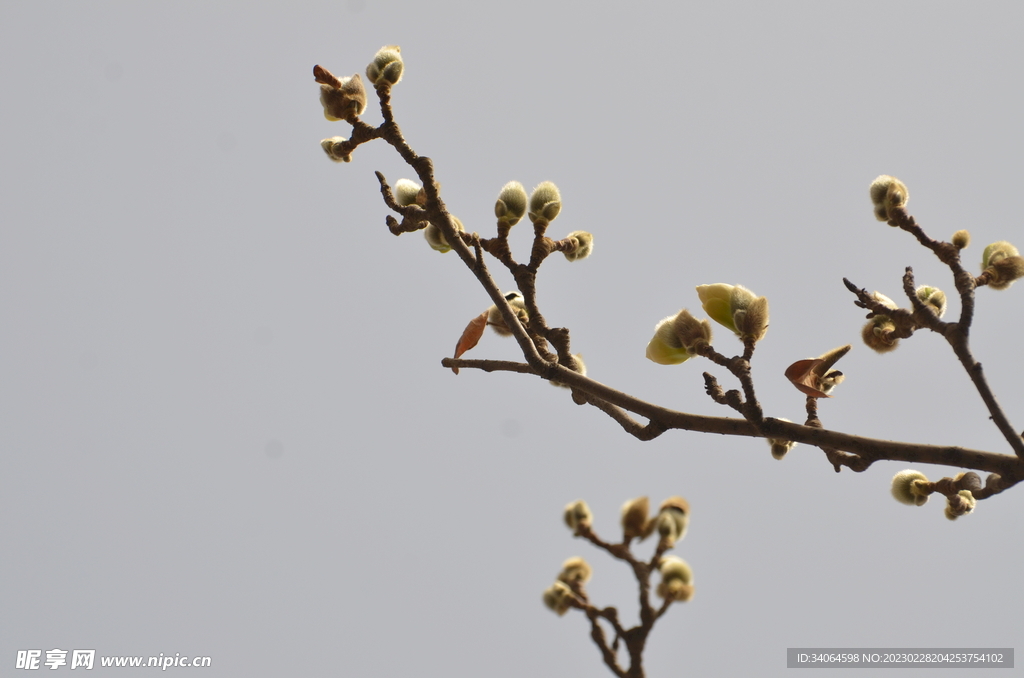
224	427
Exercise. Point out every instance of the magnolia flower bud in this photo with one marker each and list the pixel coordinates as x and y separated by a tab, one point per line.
673	519
677	338
584	245
511	204
961	239
577	515
386	66
693	334
752	322
497	323
346	99
665	348
332	147
545	203
960	504
878	333
909	487
557	598
577	366
1002	263
435	238
407	192
676	579
780	447
575	571
634	518
736	308
933	298
888	193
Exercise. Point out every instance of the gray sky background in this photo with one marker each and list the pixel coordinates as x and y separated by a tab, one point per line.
224	428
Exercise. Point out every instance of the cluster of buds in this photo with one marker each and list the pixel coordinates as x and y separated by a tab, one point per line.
559	596
678	338
671	521
408	192
887	194
345	98
913	488
736	308
1001	264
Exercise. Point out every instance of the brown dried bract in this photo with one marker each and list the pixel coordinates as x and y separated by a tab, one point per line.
325	77
801	374
470	336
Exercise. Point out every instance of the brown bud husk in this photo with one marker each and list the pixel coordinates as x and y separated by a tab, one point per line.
341	97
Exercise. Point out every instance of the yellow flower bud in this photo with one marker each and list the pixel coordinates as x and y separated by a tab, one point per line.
888	193
545	203
634	518
908	487
577	514
435	238
497	323
735	308
386	66
584	245
575	571
511	204
332	147
557	598
665	348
